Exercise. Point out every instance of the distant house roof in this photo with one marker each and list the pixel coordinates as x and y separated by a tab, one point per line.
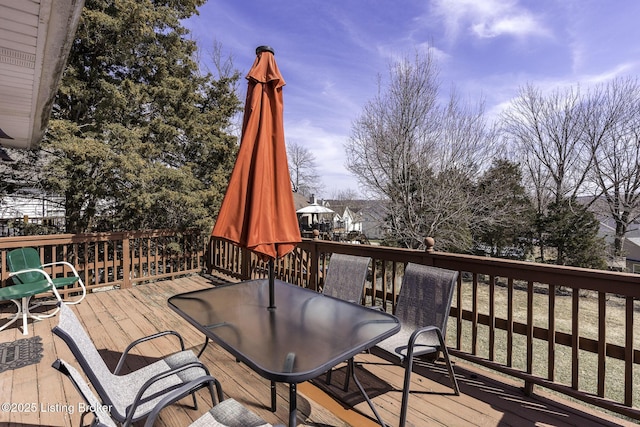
355	205
631	248
300	200
35	41
370	212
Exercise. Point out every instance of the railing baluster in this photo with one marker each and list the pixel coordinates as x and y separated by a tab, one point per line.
528	386
510	322
394	279
374	280
575	338
459	312
551	334
384	288
628	354
602	341
126	262
492	318
474	315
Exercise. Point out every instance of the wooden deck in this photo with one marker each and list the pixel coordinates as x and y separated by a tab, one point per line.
37	395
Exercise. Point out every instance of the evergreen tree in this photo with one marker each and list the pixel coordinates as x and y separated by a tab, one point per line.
505	211
573	231
138	137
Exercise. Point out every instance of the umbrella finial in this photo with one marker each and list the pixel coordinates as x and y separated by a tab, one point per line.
261	49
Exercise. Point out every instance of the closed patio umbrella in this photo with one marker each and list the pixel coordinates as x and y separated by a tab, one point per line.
258	212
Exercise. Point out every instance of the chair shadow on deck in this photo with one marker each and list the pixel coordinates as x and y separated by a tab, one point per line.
373	386
134	361
505	396
431	386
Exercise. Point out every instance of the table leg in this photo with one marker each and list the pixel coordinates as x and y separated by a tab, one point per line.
273	396
206	342
352	368
293	404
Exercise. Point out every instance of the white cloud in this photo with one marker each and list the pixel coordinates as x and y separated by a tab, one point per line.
607	75
523	24
488	18
327	148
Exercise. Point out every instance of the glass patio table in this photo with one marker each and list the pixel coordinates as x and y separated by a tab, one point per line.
304	336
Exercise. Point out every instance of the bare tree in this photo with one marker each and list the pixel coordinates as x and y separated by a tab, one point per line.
418	156
549	131
345	194
614	130
302	169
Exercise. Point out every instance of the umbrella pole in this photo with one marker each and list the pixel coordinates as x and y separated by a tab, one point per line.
272	305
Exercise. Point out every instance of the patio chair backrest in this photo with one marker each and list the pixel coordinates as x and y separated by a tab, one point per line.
346	277
425	296
71	331
22	259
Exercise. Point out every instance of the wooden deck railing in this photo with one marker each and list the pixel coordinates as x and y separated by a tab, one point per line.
114	259
571	330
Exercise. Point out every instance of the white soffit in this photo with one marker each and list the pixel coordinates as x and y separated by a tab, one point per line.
35	39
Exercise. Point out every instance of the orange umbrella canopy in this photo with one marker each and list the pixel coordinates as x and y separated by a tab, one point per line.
258	212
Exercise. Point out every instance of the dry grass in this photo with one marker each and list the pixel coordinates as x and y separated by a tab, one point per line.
588	327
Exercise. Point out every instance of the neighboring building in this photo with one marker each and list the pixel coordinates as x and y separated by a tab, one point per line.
351	220
630	259
354	217
31	206
347	220
631	248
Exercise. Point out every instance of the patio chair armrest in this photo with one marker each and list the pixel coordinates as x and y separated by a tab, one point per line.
181	392
125	353
414	337
160	376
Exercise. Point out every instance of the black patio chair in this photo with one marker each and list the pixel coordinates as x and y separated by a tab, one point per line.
345	279
423	309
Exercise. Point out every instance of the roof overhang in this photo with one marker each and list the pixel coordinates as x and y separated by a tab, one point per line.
35	39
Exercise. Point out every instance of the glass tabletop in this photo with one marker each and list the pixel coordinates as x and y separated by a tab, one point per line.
305	335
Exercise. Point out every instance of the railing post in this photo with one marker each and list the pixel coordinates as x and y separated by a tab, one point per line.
126	261
429	243
527	389
315	263
245	267
4	270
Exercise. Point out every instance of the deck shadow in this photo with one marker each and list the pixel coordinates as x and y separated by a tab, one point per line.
373	386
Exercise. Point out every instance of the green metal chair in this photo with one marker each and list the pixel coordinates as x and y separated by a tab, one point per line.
20	294
30	278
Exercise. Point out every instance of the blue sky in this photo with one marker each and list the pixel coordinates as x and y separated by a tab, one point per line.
331	53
